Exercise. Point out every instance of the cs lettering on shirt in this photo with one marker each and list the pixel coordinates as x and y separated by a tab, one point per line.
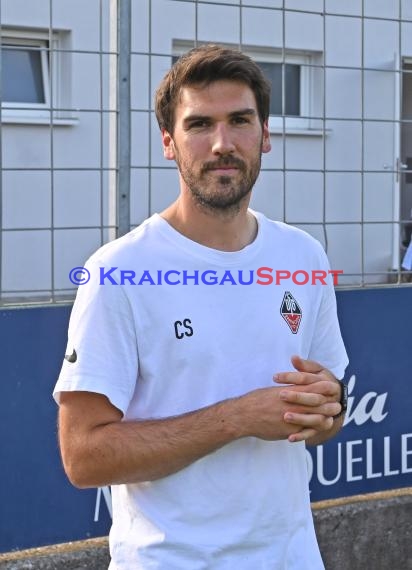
183	328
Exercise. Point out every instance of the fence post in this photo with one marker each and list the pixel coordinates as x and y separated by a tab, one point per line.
124	115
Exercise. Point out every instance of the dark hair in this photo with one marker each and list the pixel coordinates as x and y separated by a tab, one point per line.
202	66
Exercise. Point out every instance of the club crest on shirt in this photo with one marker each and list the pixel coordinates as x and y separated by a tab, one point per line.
291	311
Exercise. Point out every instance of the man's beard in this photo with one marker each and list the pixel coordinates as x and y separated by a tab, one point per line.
220	193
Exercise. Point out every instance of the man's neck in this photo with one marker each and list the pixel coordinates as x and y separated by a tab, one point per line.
224	231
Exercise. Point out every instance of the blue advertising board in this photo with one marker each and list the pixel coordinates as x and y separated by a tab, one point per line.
38	506
374	450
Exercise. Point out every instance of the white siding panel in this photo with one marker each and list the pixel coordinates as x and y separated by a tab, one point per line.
171	20
26	199
139	196
304	153
26	147
308	5
140	138
219	23
267	195
381	42
378	198
304	31
71	249
82	140
377	259
77	198
139	81
140	27
346	7
160	65
262	27
274	159
344	251
381	8
83	18
304	197
343	93
406	38
33	270
379	95
343	197
29	14
165	188
261	3
406	9
344	145
86	81
157	158
378	145
343	42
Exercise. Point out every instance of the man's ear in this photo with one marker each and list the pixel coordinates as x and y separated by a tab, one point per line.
168	145
266	144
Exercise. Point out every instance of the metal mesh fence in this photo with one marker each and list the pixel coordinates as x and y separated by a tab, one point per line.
81	158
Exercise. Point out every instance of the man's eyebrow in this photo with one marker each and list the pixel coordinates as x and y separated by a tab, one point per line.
247	111
191	118
240	112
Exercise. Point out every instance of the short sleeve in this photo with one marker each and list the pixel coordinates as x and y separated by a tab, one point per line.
101	354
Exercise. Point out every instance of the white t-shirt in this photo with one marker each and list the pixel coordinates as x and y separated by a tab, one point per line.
158	349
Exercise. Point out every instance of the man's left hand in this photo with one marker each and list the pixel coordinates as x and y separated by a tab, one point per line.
311	387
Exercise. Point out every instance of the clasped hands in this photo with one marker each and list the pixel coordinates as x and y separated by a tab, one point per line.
301	410
313	394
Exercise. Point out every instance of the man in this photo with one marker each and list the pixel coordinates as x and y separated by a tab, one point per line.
178	389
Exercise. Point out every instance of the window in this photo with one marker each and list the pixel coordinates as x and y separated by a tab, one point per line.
296	79
277	74
25	74
35	76
296	82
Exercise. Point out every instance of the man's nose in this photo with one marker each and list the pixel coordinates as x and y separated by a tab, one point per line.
222	139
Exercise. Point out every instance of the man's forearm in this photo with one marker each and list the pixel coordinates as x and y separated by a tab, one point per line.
98	448
136	451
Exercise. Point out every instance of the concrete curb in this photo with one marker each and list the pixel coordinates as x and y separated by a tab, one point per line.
90	554
367	533
355	533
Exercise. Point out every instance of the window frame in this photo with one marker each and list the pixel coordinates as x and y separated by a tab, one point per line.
56	75
301	121
37	45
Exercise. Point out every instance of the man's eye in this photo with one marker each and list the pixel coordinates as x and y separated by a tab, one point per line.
240	120
198	124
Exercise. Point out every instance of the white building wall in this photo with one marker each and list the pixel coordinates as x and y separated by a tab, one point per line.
338	184
334	179
52	175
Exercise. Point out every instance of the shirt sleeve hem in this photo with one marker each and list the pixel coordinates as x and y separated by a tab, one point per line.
119	401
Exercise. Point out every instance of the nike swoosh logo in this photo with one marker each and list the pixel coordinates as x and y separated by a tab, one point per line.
71	357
